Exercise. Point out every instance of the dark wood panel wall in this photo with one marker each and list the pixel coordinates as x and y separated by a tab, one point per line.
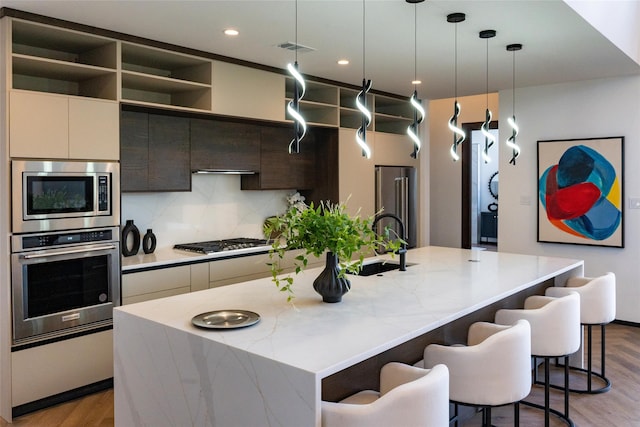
365	375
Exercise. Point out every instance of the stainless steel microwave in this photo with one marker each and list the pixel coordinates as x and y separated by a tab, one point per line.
64	195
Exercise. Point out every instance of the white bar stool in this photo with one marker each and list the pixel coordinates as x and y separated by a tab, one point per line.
409	396
555	332
597	307
494	369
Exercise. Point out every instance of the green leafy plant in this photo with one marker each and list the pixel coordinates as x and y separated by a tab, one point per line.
315	230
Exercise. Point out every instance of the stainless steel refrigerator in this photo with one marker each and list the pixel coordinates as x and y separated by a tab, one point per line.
397	193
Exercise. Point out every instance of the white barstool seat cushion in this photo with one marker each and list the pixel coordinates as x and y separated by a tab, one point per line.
493	369
597	297
409	396
555	323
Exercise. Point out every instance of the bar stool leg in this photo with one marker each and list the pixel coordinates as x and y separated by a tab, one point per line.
546	392
566	386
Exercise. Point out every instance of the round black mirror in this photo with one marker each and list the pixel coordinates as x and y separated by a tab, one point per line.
493	185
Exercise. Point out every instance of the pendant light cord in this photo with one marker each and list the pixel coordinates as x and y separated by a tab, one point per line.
415	45
296	30
364	38
514	83
487	73
455	62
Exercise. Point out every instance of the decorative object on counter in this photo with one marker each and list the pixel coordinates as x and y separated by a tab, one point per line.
316	230
329	284
489	139
361	99
511	141
294	200
416	103
226	319
130	233
458	134
149	242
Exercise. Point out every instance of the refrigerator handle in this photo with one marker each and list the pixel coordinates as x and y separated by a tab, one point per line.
402	200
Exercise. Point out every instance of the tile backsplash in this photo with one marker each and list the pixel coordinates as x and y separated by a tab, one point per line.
215	208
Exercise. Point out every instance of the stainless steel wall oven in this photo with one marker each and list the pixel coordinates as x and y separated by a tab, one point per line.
64	195
64	282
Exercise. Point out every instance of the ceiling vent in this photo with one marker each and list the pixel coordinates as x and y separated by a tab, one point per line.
296	47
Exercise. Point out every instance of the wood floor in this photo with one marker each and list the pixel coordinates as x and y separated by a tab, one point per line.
620	407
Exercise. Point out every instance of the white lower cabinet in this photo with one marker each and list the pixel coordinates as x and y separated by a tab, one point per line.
238	270
152	284
47	370
164	282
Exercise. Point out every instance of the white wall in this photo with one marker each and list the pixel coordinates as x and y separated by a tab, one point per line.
620	24
215	208
597	108
445	174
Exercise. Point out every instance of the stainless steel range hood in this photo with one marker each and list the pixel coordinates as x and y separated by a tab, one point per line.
223	172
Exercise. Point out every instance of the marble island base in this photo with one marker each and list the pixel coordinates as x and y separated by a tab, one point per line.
276	372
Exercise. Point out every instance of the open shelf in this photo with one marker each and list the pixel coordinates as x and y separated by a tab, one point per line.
153	75
54	60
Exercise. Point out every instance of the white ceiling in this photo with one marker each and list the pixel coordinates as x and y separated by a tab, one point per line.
559	46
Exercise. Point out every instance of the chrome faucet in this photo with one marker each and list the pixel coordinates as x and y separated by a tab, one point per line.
403	246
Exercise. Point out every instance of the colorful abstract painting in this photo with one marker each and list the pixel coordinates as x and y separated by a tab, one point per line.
580	191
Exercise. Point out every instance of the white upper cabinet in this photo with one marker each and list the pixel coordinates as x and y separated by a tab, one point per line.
247	92
43	125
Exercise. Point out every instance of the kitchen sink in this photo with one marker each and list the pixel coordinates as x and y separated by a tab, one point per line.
379	267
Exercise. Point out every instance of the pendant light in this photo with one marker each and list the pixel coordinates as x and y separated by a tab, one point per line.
361	99
511	141
489	139
293	107
416	103
459	135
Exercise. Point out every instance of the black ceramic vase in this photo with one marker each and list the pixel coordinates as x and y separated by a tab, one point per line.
328	284
130	233
149	242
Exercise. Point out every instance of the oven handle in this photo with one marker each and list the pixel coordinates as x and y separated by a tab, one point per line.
72	251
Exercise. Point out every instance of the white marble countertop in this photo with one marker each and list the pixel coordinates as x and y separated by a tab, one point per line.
167	257
377	314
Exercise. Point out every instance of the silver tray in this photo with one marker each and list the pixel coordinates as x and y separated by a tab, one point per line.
226	319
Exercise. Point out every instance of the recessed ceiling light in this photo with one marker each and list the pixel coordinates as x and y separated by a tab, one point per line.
343	62
231	32
416	82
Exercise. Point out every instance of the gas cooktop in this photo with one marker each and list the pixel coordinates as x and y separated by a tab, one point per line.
214	246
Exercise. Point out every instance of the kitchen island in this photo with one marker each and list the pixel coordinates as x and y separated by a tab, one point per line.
169	372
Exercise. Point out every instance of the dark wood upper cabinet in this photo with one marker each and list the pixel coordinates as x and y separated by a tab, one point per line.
280	170
134	151
224	145
154	152
169	153
158	152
